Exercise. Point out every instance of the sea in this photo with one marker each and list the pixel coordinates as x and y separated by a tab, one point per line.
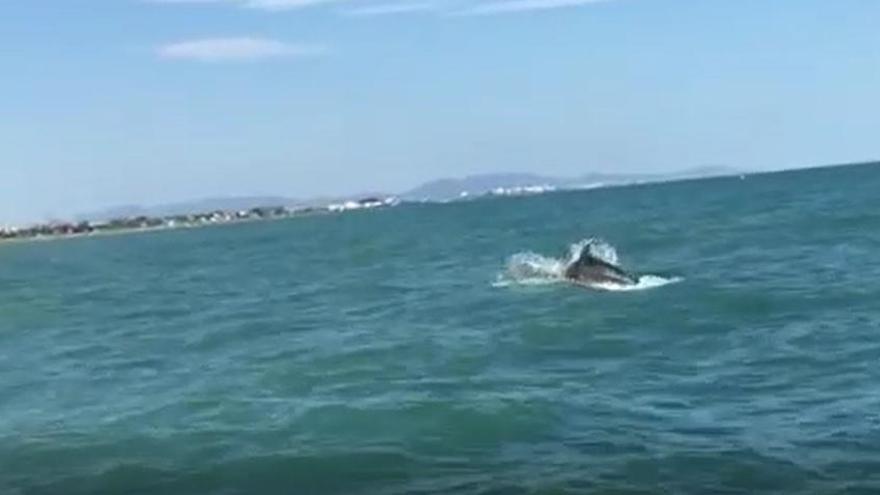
436	348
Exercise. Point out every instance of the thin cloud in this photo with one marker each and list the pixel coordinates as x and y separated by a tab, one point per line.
234	49
516	6
284	4
389	9
187	1
255	4
377	8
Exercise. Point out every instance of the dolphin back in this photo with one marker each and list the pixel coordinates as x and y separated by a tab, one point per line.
589	268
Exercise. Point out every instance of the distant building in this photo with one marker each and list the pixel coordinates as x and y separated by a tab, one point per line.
364	203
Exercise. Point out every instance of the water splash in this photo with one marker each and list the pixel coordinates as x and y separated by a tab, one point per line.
645	282
597	247
530	268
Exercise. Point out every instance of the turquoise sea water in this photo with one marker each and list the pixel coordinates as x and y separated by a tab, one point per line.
400	351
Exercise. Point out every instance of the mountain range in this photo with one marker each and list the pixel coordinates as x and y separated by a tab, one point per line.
437	190
451	188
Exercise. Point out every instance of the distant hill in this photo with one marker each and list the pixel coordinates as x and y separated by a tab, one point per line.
232	203
475	185
436	190
187	207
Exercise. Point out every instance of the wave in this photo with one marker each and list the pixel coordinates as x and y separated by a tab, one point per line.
529	268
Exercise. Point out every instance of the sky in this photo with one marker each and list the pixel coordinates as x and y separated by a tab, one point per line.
120	102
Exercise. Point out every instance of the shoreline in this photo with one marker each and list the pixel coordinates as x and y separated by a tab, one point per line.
147	230
141	224
336	209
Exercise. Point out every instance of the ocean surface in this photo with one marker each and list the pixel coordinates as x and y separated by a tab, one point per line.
432	348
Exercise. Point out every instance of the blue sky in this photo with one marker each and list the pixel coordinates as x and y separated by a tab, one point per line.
108	102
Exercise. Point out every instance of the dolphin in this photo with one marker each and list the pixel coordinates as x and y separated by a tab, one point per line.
589	269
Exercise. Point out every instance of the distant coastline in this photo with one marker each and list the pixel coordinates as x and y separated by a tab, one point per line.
143	223
233	210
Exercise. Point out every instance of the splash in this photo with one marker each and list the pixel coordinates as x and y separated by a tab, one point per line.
645	282
530	268
597	247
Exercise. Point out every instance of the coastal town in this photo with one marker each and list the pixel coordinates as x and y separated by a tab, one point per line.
138	223
143	223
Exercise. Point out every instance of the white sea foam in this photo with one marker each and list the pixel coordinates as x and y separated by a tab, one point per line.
534	269
645	282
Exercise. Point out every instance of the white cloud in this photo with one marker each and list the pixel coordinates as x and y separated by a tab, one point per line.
187	1
389	9
378	7
513	6
256	4
234	49
283	4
